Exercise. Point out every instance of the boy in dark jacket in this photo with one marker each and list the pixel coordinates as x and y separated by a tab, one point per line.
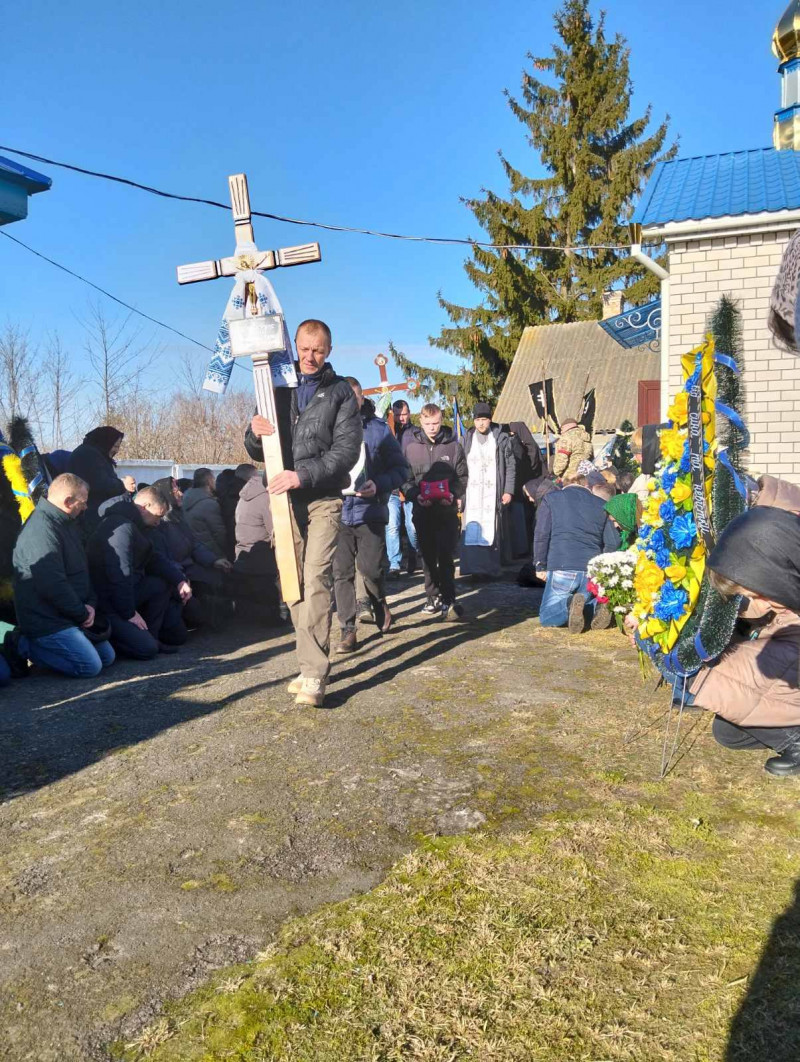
326	435
365	514
134	582
53	594
436	458
572	526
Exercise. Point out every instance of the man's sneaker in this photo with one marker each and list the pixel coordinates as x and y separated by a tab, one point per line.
18	665
452	612
295	685
576	620
312	693
603	618
348	642
432	607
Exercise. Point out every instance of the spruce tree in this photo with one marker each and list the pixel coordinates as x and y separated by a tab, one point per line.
597	158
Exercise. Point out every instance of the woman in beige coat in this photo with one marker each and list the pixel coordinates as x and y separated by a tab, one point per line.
754	686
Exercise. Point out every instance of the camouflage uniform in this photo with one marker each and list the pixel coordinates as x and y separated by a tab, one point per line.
573	447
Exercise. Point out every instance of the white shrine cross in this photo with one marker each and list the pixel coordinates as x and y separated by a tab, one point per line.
248	257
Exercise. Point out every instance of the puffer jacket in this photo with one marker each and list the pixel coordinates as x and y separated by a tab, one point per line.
778	494
385	466
253	519
441	459
121	553
204	516
756	682
325	438
573	447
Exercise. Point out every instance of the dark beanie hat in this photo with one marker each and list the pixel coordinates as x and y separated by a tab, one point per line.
760	550
482	409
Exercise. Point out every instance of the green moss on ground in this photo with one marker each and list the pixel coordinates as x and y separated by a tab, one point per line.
628	932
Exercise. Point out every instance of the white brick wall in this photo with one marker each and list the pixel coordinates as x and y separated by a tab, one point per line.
744	267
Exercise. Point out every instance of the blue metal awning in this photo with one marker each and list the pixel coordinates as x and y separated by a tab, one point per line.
638	327
17	183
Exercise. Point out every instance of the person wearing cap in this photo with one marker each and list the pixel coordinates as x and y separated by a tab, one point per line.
574	446
53	595
753	688
490	488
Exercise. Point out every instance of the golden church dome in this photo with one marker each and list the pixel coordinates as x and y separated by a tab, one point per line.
786	38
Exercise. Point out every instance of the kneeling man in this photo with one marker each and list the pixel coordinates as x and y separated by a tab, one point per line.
53	594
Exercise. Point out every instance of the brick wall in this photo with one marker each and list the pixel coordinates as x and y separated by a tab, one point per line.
743	266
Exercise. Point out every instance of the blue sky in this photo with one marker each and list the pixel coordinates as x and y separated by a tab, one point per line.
353	113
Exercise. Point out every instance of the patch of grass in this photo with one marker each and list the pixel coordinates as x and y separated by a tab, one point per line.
626	933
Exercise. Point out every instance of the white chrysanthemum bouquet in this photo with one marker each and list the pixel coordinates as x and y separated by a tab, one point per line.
610	578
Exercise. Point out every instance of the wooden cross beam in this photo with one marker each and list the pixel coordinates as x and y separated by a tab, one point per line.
410	385
249	257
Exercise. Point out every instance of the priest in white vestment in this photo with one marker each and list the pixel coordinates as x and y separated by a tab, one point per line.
490	488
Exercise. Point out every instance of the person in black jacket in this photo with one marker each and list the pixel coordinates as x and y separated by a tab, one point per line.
134	582
326	436
365	513
436	458
53	594
93	462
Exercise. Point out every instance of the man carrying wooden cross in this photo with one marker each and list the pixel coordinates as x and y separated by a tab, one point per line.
326	437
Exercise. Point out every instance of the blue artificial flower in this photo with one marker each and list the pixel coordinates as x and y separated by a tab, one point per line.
667	511
683	531
657	540
671	604
662	558
686	460
669	478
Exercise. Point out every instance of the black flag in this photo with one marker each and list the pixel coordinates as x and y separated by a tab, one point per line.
588	410
542	394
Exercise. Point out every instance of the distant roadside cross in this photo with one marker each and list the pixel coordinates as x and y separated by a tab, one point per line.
386	388
260	334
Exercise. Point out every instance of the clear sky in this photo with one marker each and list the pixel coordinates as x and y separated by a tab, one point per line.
372	115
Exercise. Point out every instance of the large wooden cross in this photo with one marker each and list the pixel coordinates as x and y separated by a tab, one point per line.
248	257
410	385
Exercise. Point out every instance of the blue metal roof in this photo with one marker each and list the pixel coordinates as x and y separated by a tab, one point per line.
17	174
637	327
715	186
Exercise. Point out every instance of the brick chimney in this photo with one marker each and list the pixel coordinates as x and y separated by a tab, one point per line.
613	304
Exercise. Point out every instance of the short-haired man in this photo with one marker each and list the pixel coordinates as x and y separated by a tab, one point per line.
53	595
572	526
437	486
326	436
362	538
400	508
135	582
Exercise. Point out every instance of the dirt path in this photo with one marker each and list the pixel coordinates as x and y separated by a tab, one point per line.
163	821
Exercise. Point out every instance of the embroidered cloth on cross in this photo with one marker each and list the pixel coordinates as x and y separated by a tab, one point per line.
218	373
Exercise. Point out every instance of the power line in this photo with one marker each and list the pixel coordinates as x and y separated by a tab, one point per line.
114	298
315	224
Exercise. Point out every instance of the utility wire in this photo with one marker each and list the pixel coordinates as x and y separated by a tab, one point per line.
114	298
316	224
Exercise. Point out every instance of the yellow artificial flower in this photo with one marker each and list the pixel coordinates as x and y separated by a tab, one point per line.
678	412
672	444
680	493
676	573
649	578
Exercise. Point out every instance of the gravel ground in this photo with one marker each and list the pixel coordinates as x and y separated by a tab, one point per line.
164	820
